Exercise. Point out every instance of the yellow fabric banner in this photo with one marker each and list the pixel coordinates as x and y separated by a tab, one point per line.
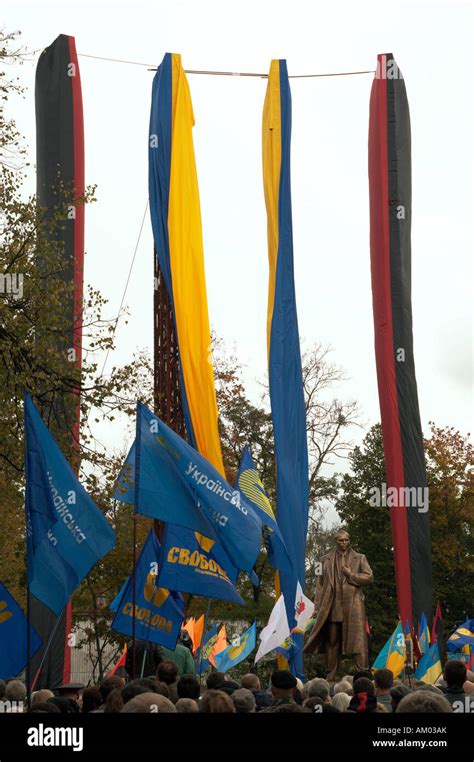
188	276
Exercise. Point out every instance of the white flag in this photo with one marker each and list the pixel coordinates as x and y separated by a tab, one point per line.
303	608
276	630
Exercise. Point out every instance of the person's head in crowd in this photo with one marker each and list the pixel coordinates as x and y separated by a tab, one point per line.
217	702
250	681
363	699
91	699
362	673
341	701
149	703
185	640
109	684
187	706
71	691
289	709
244	701
313	704
283	684
454	673
44	707
188	686
229	686
397	693
114	702
317	687
469	684
329	708
215	679
15	690
383	681
163	689
343	687
41	696
432	688
424	702
167	672
348	679
63	704
138	686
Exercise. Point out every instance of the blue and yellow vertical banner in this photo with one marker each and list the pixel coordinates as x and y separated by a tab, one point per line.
177	233
284	358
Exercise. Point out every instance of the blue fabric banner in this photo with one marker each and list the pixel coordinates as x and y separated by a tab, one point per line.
66	532
179	486
13	636
192	563
284	359
249	483
237	651
159	612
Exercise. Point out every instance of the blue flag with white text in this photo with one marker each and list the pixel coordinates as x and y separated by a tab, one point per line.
178	485
190	562
13	632
159	612
66	532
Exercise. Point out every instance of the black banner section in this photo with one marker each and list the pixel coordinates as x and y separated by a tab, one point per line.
390	248
60	176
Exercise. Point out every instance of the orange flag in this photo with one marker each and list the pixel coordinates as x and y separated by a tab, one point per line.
198	633
219	645
189	627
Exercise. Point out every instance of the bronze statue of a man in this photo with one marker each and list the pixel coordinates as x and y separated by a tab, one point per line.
339	607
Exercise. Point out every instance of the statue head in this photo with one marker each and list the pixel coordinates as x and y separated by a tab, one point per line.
343	540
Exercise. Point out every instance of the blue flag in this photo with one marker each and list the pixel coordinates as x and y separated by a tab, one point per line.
237	651
429	667
284	358
192	563
462	636
249	483
181	487
159	612
13	624
203	655
66	532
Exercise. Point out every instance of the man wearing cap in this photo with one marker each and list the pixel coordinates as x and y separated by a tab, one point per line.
339	607
72	692
283	687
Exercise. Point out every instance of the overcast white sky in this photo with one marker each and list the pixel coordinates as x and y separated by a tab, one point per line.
432	44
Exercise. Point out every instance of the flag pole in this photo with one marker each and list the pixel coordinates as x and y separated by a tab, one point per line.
206	615
134	568
28	644
46	650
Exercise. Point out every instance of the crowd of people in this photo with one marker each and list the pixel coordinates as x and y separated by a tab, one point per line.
165	690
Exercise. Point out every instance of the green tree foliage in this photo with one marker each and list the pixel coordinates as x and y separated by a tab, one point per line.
449	458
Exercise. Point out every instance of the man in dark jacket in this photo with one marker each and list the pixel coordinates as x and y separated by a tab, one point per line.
147	658
455	676
262	698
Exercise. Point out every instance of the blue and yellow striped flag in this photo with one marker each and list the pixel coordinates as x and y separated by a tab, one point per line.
429	668
284	359
393	654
